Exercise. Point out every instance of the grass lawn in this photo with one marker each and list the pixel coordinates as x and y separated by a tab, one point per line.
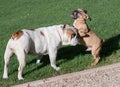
19	14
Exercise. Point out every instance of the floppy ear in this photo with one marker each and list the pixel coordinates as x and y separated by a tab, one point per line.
87	17
82	10
65	25
85	11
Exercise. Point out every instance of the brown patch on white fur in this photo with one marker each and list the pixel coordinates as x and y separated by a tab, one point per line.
42	33
70	32
17	34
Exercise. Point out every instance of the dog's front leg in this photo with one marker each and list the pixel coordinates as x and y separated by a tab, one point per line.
52	56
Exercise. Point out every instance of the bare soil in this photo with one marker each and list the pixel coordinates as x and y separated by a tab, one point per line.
105	76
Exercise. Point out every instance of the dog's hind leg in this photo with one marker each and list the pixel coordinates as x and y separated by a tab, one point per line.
21	55
7	57
95	54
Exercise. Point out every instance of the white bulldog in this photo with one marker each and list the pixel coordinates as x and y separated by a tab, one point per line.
45	40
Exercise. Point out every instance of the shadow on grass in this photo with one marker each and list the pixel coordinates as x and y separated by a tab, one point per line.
69	52
66	53
110	46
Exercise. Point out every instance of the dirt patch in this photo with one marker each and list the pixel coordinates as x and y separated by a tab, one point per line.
105	76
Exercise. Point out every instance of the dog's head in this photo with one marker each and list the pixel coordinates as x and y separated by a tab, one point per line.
70	35
81	14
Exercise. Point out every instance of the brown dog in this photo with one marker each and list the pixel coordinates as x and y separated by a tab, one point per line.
87	36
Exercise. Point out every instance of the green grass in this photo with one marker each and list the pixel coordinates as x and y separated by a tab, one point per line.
19	14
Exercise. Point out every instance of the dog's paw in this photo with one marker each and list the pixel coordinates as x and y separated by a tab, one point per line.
5	77
57	69
20	78
93	64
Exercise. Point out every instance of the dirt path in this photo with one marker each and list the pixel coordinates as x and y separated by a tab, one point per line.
105	76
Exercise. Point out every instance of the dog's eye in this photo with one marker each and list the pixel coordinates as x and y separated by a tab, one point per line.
73	35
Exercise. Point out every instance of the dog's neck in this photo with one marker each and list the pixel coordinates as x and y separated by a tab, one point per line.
78	22
81	25
81	21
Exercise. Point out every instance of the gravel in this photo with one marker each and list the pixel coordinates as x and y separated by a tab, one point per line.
105	76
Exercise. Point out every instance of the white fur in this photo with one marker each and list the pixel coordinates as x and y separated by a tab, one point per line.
34	42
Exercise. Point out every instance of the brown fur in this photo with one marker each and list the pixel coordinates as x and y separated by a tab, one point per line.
81	25
17	35
70	33
89	39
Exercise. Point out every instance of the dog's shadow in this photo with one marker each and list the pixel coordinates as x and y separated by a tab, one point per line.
110	46
65	53
69	52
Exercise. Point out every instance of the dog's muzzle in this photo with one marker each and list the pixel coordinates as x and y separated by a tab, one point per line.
74	14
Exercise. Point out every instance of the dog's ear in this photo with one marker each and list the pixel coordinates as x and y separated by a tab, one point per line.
65	25
89	18
82	10
85	11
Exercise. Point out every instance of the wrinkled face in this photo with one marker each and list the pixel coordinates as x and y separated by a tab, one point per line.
79	13
70	35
